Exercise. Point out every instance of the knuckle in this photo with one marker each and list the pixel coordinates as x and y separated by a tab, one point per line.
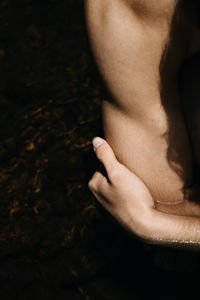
96	184
91	185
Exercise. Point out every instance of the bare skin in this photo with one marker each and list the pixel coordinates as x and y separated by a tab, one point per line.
139	46
120	192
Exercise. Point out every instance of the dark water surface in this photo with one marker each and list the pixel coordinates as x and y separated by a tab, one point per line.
55	243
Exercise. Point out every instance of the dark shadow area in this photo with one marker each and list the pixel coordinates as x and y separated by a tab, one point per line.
190	73
55	241
178	95
172	60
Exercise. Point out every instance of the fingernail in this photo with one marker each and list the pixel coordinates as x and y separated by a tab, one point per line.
97	142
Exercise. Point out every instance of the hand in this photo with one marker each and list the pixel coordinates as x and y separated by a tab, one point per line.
129	201
121	192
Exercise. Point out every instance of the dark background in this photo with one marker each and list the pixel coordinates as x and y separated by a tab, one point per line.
55	242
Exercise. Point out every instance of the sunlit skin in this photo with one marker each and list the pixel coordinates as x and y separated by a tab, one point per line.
139	47
120	192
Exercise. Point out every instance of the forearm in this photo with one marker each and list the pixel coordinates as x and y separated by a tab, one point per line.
171	230
129	201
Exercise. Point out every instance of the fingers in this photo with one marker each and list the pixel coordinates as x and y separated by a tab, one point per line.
104	154
99	187
98	183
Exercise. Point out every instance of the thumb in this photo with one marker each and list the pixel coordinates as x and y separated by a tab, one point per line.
104	153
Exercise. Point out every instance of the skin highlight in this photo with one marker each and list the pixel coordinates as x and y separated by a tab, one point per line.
120	192
139	47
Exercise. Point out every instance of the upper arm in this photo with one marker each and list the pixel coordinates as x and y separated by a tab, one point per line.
128	52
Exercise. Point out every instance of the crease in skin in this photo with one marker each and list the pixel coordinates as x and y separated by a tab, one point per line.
169	202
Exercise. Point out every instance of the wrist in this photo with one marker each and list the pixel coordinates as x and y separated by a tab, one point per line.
142	224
